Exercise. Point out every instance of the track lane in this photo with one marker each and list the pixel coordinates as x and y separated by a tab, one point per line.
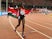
28	30
6	31
39	21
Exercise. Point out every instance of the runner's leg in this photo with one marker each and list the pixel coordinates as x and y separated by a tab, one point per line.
23	24
19	21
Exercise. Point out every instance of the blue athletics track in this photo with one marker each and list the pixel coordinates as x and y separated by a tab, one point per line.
37	26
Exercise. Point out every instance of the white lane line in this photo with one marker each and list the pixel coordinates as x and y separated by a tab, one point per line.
40	24
49	23
45	23
29	32
39	32
14	28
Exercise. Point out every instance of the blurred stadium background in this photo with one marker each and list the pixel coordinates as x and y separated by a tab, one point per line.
38	6
33	3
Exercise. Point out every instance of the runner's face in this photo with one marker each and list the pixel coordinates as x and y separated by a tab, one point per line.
19	7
